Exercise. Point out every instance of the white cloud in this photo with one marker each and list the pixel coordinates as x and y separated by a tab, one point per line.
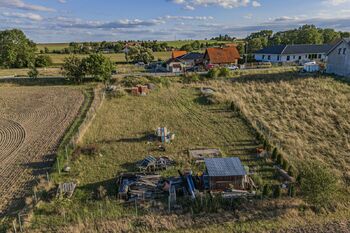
191	4
29	16
336	2
19	4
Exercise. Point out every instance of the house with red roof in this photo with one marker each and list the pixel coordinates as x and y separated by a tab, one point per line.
221	56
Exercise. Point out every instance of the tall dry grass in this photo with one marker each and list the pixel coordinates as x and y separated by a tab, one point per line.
307	116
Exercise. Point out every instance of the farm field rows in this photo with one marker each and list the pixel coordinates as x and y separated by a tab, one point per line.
32	122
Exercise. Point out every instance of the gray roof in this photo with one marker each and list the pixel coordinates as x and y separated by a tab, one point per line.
224	167
192	56
296	49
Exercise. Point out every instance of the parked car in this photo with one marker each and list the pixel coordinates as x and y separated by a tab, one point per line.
233	67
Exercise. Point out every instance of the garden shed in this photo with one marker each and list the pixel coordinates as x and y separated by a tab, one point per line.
225	173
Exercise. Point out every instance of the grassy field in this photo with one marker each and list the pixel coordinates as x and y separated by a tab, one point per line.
120	131
304	115
307	116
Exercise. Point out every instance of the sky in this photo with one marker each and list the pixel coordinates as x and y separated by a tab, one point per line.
49	21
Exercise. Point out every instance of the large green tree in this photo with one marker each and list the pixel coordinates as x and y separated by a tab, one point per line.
74	68
100	67
16	50
140	54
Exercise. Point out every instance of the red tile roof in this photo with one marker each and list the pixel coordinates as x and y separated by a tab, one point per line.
222	55
177	54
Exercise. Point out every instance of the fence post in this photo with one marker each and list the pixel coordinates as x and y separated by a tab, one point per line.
14	226
136	206
19	221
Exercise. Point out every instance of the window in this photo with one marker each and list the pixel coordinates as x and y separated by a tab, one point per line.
299	57
288	58
339	51
293	57
344	51
269	57
263	57
319	56
306	56
278	57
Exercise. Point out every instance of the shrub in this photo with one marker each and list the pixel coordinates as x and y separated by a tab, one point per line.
224	72
292	191
193	78
43	61
131	81
277	192
266	190
274	154
213	73
291	171
279	159
318	185
257	180
285	165
33	72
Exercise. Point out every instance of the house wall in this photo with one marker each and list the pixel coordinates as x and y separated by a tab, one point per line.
275	58
225	182
339	64
171	68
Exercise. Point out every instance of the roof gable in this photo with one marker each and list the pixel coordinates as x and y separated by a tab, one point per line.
344	40
222	55
224	167
176	54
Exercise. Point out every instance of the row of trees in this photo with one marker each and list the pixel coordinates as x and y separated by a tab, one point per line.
104	46
307	34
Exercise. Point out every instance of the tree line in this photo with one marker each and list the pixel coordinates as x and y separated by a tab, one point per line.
307	34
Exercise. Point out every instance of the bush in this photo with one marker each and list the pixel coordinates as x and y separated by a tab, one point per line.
292	191
257	180
291	171
279	159
266	190
193	78
285	165
277	192
213	73
225	72
318	185
43	61
131	81
33	72
274	154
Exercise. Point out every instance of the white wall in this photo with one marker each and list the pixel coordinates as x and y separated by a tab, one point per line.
339	63
284	58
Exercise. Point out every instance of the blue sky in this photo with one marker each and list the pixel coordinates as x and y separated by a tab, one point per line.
97	20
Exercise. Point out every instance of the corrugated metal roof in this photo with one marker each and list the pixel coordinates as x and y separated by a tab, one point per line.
224	167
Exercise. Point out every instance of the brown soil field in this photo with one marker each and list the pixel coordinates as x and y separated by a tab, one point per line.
32	122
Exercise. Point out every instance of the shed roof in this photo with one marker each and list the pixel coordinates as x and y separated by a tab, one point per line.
176	54
224	167
223	55
295	49
192	56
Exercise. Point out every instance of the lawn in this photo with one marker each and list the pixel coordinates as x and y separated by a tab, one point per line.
120	131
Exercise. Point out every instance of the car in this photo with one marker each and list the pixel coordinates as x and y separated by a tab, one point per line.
233	67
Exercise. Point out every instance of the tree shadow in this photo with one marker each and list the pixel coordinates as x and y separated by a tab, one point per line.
47	81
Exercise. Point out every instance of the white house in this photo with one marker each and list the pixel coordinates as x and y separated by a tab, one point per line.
293	53
339	58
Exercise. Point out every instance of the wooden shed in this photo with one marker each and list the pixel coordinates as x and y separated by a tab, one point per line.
225	173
